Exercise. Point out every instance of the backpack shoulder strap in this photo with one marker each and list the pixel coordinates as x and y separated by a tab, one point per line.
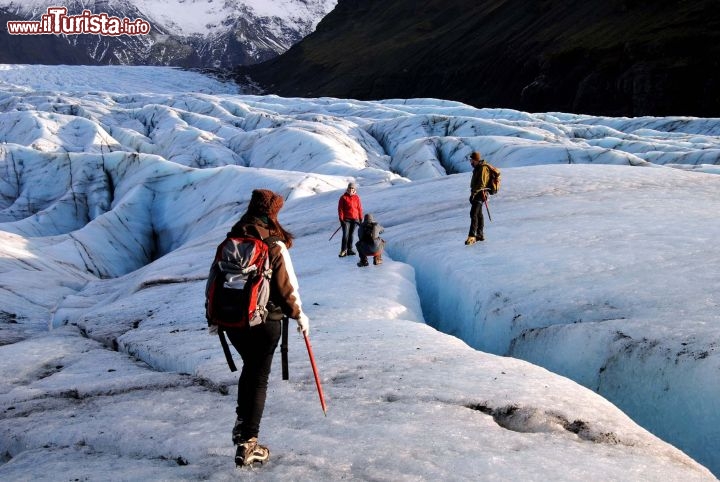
271	240
226	350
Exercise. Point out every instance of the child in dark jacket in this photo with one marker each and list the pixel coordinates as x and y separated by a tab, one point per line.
370	242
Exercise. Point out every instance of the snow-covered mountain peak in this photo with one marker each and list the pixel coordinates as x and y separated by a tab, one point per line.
190	33
188	17
208	17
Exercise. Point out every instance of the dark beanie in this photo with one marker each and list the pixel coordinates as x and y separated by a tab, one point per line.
265	203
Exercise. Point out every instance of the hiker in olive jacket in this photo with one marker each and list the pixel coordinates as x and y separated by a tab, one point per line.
370	242
478	195
257	344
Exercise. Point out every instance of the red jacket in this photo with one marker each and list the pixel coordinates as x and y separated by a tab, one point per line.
350	207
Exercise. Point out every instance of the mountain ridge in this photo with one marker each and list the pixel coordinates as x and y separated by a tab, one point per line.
617	57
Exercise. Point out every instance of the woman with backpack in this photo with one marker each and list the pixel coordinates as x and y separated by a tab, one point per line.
370	243
257	344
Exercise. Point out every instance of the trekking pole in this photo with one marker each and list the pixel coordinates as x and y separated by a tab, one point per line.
284	348
333	234
486	204
315	373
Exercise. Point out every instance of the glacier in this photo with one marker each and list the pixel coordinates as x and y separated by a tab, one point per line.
579	341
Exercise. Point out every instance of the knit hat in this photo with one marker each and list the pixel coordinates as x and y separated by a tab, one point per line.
265	203
369	218
475	155
352	186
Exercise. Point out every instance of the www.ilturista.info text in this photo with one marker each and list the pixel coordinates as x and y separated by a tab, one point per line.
56	21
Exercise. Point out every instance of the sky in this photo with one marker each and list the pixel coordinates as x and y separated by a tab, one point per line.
579	341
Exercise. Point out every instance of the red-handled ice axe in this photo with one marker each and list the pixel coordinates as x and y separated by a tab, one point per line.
315	373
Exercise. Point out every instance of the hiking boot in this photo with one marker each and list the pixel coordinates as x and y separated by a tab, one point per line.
470	240
351	252
481	238
377	260
342	254
249	452
363	262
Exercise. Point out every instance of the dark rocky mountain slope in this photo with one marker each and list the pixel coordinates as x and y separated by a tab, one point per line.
612	57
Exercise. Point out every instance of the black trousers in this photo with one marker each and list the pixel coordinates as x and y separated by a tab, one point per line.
256	346
477	221
348	231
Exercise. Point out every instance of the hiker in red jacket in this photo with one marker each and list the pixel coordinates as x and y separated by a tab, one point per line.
349	213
